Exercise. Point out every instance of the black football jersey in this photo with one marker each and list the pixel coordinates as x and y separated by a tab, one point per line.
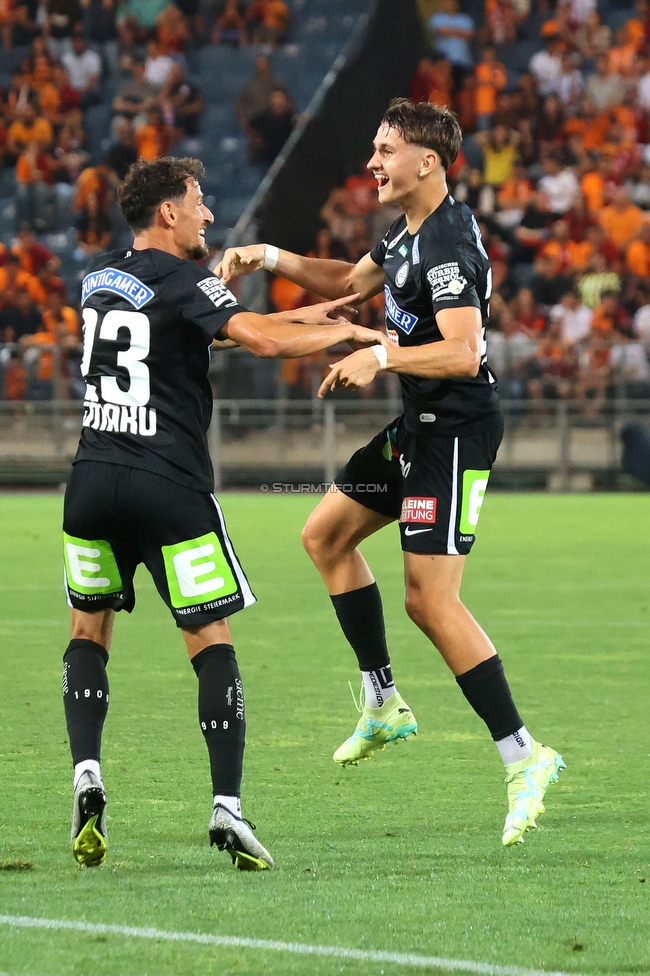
148	321
444	265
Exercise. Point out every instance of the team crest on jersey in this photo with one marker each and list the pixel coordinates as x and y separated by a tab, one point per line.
403	320
119	283
446	281
214	289
402	274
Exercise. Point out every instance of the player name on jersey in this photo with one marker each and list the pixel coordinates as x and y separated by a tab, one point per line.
120	419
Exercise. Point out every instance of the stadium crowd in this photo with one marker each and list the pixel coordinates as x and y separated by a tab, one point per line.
555	164
133	57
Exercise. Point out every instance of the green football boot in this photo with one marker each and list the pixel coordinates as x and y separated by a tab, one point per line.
88	834
527	782
377	726
235	835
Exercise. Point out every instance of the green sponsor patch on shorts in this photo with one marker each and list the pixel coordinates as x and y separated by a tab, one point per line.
198	571
90	565
474	485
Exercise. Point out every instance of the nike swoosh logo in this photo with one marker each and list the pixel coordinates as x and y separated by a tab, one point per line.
409	531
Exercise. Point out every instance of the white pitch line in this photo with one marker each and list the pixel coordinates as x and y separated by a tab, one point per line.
297	948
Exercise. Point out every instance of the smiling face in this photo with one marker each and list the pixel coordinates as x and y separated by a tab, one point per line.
192	218
398	166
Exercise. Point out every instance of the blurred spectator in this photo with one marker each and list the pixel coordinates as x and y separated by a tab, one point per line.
230	25
62	16
270	129
137	18
549	121
453	32
68	156
500	25
571	82
93	228
610	315
573	317
597	280
621	220
268	21
101	30
123	151
255	96
84	69
27	128
491	78
559	184
555	368
32	253
135	95
99	180
546	66
513	196
22	318
173	31
593	37
628	360
641	321
154	138
157	65
432	81
547	286
499	147
465	104
637	254
45	356
182	103
509	351
35	189
604	87
475	193
13	279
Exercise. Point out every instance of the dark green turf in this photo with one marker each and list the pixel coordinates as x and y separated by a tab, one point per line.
402	854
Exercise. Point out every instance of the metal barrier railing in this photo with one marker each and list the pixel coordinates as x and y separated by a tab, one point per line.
313	438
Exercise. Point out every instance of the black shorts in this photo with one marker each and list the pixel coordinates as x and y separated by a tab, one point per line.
433	485
115	517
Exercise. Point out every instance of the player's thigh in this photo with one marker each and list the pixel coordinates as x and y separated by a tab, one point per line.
100	552
340	522
185	546
444	483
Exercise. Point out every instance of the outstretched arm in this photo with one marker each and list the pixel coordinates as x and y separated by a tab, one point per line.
269	336
332	279
456	356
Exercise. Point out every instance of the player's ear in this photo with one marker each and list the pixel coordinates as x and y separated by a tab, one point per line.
167	213
429	162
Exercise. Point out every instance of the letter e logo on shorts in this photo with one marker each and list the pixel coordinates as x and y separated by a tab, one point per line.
197	571
474	485
90	566
419	510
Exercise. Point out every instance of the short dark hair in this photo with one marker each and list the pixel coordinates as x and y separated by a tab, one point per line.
147	184
423	124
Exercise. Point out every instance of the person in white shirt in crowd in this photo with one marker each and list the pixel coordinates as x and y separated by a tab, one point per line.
630	368
546	66
571	82
84	69
559	184
574	317
509	349
157	66
641	322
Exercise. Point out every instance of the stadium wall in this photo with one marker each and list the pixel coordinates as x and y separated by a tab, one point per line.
340	136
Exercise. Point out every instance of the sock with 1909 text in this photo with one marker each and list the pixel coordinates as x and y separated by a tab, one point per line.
222	718
361	616
85	698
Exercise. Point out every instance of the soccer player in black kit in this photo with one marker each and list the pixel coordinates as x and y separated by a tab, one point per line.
141	486
435	459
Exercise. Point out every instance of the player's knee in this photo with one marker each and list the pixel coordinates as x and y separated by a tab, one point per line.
312	539
414	605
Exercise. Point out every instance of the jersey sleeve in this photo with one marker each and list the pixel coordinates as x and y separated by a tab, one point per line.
203	299
450	277
378	253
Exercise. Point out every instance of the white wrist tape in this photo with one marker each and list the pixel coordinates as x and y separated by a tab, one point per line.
382	355
271	256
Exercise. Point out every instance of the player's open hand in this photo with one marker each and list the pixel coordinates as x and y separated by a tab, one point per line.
239	261
354	372
337	312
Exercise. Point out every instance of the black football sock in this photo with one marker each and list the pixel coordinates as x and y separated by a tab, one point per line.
486	689
361	616
221	715
85	697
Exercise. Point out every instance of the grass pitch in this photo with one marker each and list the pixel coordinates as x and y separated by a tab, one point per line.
402	854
